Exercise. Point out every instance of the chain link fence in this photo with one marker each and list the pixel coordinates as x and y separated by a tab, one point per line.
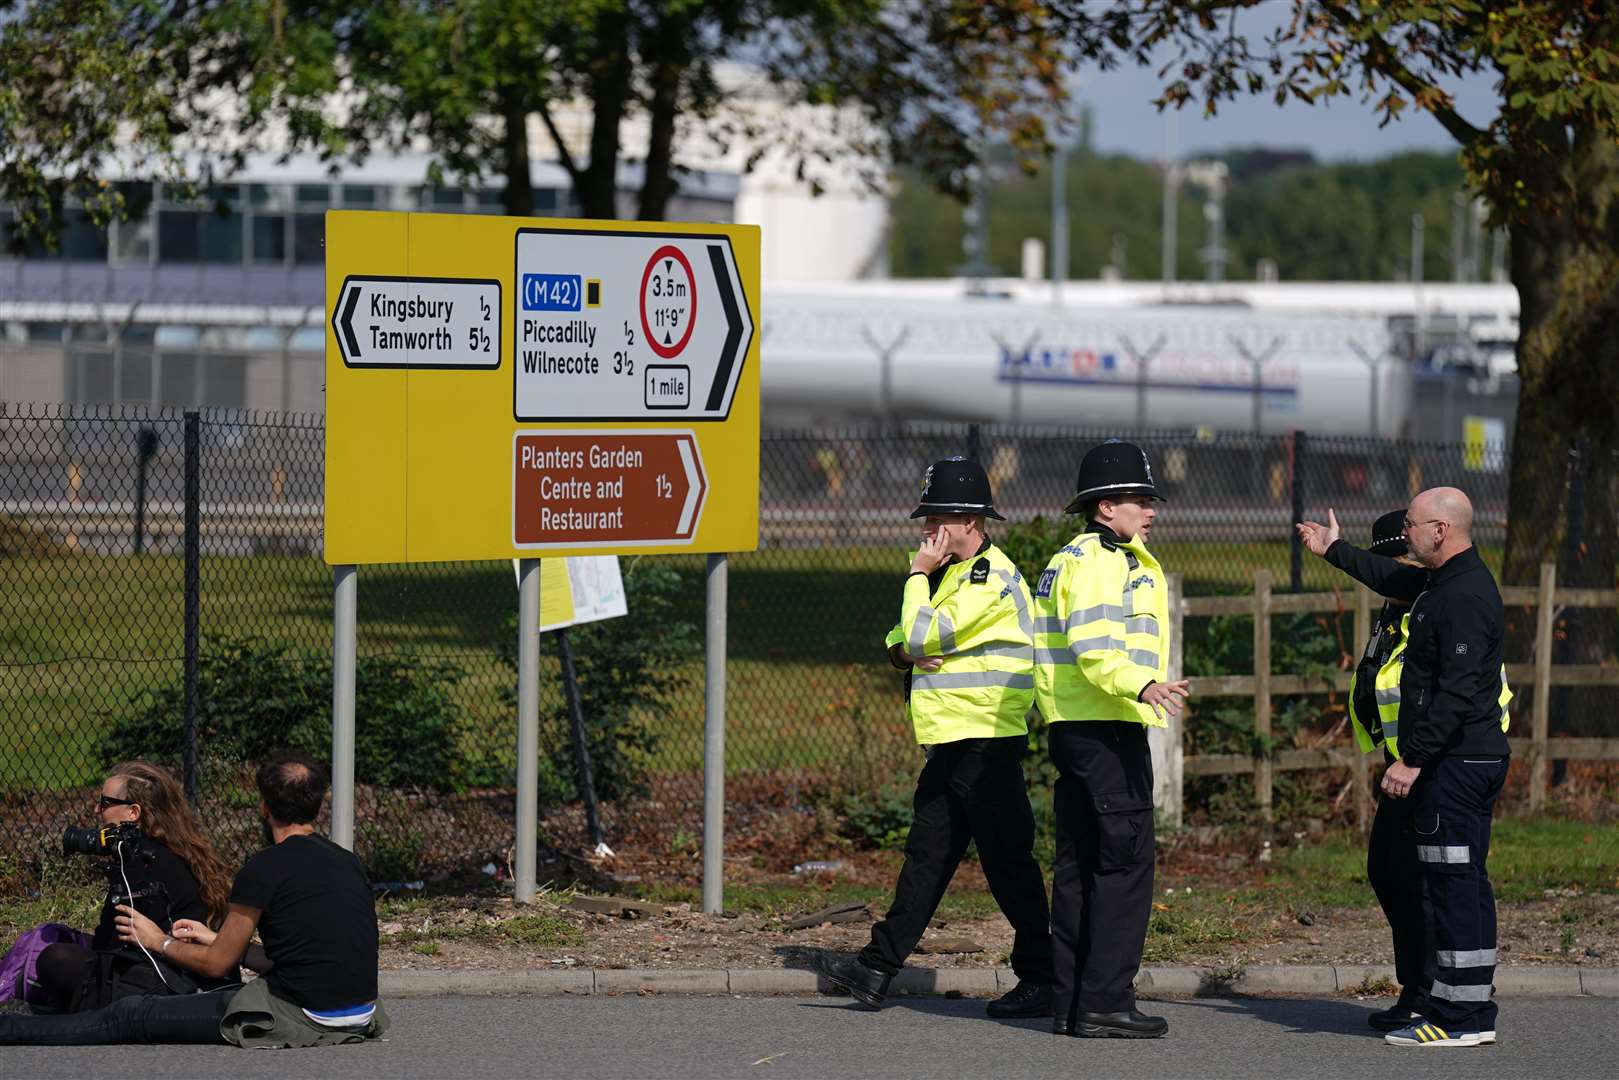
95	631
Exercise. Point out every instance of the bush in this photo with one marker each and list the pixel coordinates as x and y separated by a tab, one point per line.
880	818
627	674
256	697
390	855
1031	544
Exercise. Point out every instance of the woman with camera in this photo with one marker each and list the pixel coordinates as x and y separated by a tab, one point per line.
157	859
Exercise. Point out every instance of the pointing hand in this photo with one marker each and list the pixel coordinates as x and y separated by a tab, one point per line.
1317	537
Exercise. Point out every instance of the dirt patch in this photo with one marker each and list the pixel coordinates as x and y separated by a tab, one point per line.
1585	931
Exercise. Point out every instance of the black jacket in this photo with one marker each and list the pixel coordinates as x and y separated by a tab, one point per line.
1450	688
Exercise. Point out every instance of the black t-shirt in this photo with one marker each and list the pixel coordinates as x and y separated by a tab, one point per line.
164	890
319	924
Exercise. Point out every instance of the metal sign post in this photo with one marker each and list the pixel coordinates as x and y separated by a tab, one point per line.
345	605
526	861
714	738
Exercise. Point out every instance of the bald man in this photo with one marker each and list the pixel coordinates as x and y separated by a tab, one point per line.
1453	753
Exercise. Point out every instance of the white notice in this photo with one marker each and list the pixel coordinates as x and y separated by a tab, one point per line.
390	322
598	588
626	326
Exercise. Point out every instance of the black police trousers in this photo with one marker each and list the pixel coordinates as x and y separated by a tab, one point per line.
1396	877
1451	807
1101	886
971	790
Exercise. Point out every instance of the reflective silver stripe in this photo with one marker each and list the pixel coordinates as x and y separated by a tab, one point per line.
1015	652
1094	612
919	630
947	634
1025	621
1144	658
1459	993
1049	624
1389	696
1141	624
1436	854
1391	729
1129	597
1090	644
963	680
1059	657
1469	958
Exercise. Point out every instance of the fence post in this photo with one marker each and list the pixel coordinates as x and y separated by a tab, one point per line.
1300	442
1174	759
1544	615
1566	647
193	590
1262	762
973	449
1360	771
145	447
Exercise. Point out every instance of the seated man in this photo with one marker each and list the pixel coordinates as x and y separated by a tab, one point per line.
309	900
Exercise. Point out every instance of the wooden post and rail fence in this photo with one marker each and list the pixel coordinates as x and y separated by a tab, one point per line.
1540	673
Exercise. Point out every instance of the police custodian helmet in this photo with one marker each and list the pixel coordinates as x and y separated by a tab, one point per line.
956	486
1113	468
1388	534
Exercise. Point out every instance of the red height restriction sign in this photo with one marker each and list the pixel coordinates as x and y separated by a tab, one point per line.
618	487
668	301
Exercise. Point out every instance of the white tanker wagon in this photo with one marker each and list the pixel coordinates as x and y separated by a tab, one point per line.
843	359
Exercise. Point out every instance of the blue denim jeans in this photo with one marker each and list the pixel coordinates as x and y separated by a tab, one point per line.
155	1018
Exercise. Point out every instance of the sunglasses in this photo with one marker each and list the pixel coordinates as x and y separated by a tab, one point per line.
104	801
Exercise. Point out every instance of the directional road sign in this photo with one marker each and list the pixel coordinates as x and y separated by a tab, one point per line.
418	322
624	325
618	487
501	387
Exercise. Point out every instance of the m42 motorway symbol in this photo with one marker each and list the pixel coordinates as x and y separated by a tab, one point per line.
411	322
627	326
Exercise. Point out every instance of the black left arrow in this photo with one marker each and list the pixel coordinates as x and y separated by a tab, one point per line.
733	328
346	323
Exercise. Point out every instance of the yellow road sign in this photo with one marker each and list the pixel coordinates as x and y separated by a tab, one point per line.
505	387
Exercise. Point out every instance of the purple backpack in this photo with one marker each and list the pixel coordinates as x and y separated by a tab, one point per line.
19	968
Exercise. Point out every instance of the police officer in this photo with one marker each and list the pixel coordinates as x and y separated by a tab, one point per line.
965	641
1452	752
1101	665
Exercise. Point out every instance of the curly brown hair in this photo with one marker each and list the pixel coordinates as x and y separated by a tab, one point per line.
166	818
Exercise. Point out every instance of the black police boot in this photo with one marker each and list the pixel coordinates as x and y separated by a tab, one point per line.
848	974
1132	1024
1404	1013
1025	999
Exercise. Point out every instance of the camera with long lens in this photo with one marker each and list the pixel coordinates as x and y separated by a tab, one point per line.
127	853
123	838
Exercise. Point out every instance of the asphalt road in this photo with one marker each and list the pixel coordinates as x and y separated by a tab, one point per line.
631	1036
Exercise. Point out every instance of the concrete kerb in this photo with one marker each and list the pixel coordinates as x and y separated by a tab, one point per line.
1170	981
1600	982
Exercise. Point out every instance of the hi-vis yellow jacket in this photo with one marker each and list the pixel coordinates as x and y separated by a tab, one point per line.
980	621
1101	631
1387	687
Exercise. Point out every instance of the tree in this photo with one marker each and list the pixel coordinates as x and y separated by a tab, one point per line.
217	79
1547	166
